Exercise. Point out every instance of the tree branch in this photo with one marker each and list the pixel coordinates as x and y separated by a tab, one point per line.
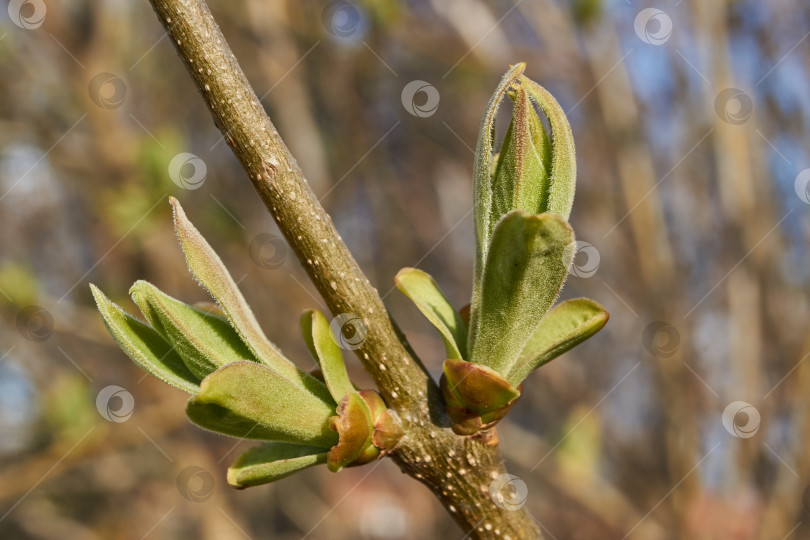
458	470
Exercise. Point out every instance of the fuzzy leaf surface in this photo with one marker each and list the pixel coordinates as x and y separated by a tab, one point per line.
566	326
248	400
523	175
324	348
144	346
482	186
206	342
564	161
422	289
207	267
273	461
526	266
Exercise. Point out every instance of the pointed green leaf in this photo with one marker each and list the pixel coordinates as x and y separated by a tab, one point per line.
144	345
564	161
206	342
248	400
273	461
565	326
207	267
526	266
420	287
522	177
324	348
482	184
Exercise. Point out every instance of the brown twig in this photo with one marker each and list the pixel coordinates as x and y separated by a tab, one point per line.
458	470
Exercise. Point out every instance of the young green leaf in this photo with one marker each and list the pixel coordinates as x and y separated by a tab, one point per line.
522	177
205	342
144	346
565	326
420	287
248	400
324	348
207	267
273	461
564	161
482	184
526	266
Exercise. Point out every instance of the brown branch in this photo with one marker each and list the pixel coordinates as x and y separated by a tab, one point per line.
458	470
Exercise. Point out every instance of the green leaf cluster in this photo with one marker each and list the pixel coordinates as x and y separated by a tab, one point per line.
522	199
241	383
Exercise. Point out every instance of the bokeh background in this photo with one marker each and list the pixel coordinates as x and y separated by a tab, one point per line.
686	417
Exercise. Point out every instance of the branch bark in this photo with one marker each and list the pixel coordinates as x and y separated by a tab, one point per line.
458	470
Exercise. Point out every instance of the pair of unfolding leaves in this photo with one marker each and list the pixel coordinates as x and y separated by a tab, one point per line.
242	385
524	248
